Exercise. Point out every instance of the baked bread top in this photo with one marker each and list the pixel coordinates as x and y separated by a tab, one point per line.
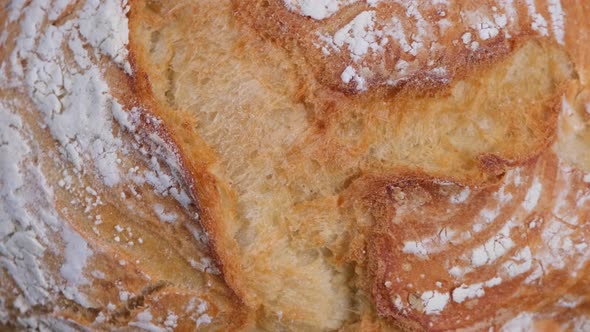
98	230
295	165
306	153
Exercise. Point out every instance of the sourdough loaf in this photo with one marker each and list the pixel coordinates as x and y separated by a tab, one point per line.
295	165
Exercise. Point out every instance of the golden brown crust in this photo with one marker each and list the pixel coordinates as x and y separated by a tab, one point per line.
369	198
140	266
335	149
197	158
459	37
510	244
419	92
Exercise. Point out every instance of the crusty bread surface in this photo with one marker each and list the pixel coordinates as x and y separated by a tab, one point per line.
97	228
293	165
304	155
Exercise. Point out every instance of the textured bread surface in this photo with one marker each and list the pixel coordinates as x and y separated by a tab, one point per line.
294	165
97	229
310	167
531	232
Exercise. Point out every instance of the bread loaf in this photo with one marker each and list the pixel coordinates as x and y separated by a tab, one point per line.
294	165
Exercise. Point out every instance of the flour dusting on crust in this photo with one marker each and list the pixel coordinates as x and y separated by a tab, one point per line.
415	36
61	96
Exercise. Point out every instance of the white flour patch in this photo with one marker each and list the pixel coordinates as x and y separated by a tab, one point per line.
434	302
